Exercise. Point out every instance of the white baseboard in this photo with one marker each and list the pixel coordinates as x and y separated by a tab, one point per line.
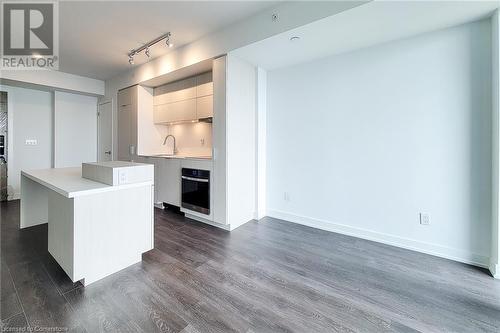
212	223
495	270
258	215
406	243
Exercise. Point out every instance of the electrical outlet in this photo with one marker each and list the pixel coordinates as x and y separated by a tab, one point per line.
286	196
425	219
202	141
122	177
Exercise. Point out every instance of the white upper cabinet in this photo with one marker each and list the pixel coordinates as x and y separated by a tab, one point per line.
125	97
204	85
184	100
205	106
176	91
174	112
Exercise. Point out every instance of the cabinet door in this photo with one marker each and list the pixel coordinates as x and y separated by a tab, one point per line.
175	92
160	114
127	124
124	97
124	135
204	85
169	181
178	111
173	174
205	106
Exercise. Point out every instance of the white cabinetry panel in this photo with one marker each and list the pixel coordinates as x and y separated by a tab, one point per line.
169	181
205	106
185	100
176	91
178	111
204	85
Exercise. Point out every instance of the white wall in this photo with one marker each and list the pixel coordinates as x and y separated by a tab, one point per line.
495	231
30	117
261	117
240	141
362	142
75	128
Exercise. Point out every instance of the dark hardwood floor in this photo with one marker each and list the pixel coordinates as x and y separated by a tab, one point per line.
268	276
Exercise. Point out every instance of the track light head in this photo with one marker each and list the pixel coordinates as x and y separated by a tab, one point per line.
147	52
131	59
167	40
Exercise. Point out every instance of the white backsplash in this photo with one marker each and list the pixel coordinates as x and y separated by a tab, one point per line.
194	139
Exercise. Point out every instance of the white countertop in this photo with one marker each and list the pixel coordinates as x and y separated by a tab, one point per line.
191	157
69	182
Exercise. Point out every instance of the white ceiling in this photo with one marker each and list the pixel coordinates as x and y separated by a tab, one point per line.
95	36
369	24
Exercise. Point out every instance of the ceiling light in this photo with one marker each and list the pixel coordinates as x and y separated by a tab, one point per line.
294	38
146	47
167	41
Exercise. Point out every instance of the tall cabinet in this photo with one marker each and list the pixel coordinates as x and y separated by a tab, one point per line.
127	124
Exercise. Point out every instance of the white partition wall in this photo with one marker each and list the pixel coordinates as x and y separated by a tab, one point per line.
75	129
240	141
495	152
30	133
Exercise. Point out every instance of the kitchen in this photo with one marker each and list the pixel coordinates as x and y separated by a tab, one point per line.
177	123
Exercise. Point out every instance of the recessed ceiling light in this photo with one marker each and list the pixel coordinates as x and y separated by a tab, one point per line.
294	38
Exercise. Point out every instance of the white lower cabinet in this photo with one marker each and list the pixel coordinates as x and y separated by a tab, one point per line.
155	162
168	176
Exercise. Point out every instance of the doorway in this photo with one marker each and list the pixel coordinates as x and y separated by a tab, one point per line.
105	131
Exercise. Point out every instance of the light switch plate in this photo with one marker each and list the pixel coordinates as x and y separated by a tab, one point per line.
31	142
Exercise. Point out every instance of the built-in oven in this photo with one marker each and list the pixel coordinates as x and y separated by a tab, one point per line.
196	190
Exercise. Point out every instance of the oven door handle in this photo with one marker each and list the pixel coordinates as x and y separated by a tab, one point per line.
201	180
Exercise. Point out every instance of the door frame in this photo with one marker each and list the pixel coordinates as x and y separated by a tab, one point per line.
99	128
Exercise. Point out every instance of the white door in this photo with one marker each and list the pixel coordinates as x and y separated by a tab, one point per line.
105	131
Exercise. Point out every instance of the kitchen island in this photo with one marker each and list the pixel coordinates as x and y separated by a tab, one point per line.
94	229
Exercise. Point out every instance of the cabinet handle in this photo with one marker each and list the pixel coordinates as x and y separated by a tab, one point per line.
200	180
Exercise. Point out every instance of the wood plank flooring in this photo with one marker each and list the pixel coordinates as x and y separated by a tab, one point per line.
267	276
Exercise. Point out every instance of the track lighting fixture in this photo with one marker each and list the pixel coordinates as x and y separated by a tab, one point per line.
146	47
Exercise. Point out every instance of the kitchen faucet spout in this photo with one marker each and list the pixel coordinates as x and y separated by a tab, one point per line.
165	141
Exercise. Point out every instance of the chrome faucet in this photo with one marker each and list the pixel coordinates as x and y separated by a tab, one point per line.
165	141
